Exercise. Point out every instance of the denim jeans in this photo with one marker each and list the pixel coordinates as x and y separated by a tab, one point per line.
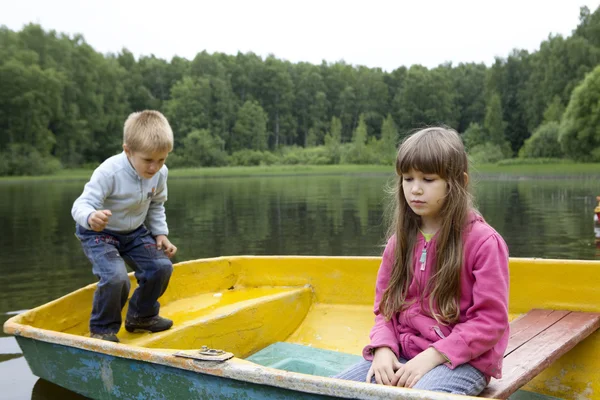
109	251
464	379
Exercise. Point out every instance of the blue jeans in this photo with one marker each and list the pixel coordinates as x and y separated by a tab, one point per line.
109	251
464	379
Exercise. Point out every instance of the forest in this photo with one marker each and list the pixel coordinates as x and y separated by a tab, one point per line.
63	104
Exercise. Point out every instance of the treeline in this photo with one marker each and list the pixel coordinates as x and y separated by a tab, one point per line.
62	104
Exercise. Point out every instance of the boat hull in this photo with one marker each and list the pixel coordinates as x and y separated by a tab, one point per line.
102	376
245	304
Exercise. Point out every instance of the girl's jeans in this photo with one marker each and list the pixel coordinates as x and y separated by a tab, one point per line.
464	379
109	251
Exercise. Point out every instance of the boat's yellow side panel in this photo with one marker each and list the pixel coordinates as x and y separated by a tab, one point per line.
242	304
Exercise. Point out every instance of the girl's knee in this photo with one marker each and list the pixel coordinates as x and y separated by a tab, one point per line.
464	380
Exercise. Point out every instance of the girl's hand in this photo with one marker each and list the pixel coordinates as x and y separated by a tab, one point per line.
162	242
409	374
98	220
383	367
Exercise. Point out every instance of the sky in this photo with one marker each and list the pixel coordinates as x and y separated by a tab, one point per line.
375	33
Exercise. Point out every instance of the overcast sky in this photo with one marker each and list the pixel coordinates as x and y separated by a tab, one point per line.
385	34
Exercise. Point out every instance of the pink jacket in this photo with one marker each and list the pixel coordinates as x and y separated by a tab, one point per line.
481	335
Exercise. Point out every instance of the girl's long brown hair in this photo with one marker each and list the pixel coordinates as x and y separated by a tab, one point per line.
431	151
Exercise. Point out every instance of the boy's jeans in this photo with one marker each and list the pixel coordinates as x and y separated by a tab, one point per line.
109	251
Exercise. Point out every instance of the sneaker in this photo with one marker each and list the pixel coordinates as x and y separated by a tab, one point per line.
111	337
152	324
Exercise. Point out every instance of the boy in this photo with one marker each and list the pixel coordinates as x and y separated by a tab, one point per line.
121	219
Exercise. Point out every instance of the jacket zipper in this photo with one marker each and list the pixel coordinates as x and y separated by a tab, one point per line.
423	258
439	332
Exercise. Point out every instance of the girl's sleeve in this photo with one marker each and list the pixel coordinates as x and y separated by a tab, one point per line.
487	319
383	334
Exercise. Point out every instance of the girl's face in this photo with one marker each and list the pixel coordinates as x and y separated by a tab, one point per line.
425	194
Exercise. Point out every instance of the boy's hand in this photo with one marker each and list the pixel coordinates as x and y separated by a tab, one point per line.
98	219
410	373
383	367
163	243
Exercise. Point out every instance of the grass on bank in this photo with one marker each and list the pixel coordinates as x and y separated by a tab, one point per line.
511	170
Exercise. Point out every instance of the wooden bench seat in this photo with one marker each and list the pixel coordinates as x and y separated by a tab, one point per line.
537	339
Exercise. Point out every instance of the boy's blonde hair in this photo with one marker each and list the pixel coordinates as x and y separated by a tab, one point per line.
148	131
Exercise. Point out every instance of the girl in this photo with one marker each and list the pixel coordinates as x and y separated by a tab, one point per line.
441	297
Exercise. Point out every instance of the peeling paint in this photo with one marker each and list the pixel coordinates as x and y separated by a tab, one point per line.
555	385
106	375
587	394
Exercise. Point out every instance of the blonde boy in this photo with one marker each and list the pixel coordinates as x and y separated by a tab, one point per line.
120	218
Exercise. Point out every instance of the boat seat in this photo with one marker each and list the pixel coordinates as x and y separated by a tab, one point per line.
537	339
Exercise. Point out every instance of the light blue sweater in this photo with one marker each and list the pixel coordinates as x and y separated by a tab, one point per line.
133	201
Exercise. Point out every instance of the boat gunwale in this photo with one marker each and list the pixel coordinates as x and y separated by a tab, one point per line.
236	368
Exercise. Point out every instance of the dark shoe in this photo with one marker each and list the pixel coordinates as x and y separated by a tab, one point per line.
152	324
111	337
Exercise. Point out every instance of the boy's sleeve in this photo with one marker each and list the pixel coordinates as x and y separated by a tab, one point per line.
156	220
92	198
487	319
383	333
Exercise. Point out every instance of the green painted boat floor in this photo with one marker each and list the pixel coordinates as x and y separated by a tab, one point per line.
525	395
312	361
307	360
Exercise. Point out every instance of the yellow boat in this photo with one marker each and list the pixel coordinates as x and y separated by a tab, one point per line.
282	327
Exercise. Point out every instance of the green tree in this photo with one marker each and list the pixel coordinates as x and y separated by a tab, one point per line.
334	136
543	143
556	68
495	126
389	133
139	96
278	97
579	134
428	98
250	130
554	111
473	136
201	149
189	107
30	98
508	78
358	152
310	102
333	140
470	99
359	139
389	141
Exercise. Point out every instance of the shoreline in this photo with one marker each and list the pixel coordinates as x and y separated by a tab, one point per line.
482	172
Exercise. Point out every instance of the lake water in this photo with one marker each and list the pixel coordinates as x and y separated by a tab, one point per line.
305	215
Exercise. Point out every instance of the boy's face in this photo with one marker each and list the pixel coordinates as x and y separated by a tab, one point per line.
146	164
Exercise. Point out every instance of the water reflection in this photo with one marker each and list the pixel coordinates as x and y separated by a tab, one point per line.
44	390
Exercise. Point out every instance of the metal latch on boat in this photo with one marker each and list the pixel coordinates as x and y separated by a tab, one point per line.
205	354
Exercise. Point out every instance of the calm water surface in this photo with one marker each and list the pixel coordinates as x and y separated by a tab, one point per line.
319	215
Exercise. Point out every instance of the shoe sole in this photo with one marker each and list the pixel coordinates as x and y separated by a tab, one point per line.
142	330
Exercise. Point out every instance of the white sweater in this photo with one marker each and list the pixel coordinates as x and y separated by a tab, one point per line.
116	186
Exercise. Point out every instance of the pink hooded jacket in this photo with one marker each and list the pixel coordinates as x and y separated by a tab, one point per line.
481	335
